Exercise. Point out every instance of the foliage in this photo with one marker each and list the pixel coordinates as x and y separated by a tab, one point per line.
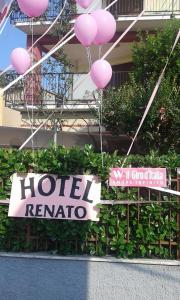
124	230
161	127
123	108
150	55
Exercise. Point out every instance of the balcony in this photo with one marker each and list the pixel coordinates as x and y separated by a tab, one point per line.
152	7
51	91
121	8
53	10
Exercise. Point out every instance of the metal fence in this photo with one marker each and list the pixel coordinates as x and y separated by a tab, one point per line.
134	7
54	7
134	210
119	78
53	89
39	89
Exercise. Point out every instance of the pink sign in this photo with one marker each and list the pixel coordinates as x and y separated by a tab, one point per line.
152	177
55	197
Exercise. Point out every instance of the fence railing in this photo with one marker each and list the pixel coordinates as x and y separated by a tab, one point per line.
54	7
119	78
38	89
52	90
134	7
122	7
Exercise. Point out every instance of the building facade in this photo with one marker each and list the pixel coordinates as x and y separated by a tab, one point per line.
44	92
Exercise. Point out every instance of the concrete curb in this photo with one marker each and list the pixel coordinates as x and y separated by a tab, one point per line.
107	259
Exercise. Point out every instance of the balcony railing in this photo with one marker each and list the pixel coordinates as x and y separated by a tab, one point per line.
55	90
122	7
54	7
134	7
119	78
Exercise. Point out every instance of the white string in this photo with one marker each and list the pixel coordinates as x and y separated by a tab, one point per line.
78	84
8	8
5	70
100	127
122	35
111	48
4	25
27	104
152	96
111	4
52	51
52	25
49	28
32	135
55	48
105	53
100	50
88	51
33	78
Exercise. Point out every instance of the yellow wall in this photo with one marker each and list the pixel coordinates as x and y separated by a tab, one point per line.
9	117
1	110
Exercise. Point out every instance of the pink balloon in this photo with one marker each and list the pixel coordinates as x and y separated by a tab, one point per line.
85	29
106	26
33	8
84	3
20	60
101	73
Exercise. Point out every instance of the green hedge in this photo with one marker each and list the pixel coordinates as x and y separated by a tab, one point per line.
124	230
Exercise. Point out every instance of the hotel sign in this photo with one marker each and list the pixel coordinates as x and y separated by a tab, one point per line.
55	197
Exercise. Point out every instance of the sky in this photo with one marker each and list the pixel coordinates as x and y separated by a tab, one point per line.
10	38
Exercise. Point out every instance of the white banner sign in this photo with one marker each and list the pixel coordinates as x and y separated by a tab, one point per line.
55	197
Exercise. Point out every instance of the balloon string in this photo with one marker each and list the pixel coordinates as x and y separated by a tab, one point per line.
45	57
88	51
30	118
122	35
90	57
100	50
49	28
60	44
111	48
52	25
100	126
52	51
33	78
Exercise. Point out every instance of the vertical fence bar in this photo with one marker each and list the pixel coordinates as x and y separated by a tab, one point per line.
28	234
127	218
178	215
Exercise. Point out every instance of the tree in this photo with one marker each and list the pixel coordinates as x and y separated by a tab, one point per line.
123	108
150	55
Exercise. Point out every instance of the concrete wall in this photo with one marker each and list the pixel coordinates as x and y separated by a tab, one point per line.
15	137
47	279
9	117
